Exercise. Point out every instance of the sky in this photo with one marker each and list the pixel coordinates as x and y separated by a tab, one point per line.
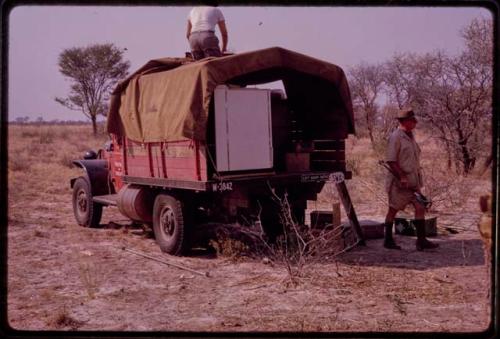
345	36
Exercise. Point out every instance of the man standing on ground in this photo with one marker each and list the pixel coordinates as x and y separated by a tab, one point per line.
403	157
201	31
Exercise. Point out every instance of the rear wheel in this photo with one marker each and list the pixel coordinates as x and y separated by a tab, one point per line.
87	212
168	225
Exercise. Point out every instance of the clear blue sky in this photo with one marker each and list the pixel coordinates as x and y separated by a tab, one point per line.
344	36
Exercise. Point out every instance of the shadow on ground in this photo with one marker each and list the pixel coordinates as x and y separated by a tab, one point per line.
450	253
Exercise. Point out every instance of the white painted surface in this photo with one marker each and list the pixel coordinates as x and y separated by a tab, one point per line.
243	129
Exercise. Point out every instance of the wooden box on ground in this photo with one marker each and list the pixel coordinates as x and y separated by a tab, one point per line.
371	229
406	226
321	218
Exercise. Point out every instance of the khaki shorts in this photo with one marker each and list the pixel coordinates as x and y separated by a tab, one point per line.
204	44
400	197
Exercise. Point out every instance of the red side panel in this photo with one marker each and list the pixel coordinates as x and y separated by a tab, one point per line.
183	160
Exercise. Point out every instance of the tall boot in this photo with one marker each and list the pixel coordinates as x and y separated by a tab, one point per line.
422	242
388	239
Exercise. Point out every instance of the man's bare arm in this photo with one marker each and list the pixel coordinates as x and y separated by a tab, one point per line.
223	32
399	172
188	31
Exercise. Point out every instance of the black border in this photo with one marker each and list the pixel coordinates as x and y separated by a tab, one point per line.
7	332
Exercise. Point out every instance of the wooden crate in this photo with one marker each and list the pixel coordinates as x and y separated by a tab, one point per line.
406	226
323	217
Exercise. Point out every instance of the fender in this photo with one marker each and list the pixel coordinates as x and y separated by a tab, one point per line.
97	173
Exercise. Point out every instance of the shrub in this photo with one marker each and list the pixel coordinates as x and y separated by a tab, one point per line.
225	246
300	245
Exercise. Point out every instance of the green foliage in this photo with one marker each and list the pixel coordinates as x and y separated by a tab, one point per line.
93	71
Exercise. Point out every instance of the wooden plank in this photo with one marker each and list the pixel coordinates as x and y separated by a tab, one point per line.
349	209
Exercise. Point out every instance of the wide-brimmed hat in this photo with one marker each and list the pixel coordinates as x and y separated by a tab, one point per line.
405	114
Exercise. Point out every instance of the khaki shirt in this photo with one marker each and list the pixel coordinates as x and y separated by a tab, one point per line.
405	151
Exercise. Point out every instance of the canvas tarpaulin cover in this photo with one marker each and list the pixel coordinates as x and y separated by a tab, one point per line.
169	99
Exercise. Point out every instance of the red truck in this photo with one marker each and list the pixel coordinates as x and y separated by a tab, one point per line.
197	141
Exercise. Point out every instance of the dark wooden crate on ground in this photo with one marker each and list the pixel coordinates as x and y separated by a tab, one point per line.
406	226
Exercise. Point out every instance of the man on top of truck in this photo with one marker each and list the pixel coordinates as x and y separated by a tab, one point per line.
201	31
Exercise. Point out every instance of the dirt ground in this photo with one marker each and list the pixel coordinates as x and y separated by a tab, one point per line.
65	277
61	276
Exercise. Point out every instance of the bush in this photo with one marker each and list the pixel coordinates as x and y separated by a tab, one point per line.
225	246
300	245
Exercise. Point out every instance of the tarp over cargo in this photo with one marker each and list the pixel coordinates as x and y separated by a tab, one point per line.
169	99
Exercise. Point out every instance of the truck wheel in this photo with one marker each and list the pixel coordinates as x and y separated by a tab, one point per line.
87	212
168	224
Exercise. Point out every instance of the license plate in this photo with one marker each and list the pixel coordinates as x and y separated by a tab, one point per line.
335	177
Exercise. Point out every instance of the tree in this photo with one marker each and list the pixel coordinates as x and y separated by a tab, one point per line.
22	120
455	95
366	83
93	71
399	79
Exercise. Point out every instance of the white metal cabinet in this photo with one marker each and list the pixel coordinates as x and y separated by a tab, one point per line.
243	138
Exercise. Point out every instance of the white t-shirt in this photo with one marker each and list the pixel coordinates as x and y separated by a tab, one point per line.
204	18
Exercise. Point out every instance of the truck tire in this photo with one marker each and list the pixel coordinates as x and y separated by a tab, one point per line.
87	212
168	225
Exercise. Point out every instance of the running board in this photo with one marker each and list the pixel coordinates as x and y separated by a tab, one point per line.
107	200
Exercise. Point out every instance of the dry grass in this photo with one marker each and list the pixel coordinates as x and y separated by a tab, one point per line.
44	153
40	169
62	276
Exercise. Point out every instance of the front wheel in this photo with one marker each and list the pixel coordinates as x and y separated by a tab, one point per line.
87	212
168	225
